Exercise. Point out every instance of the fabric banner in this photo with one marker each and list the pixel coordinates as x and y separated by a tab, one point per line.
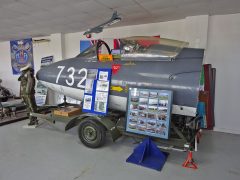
21	54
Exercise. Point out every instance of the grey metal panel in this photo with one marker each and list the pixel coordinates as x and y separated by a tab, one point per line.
181	75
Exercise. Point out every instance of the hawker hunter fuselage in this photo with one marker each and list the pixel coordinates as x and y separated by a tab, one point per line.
180	74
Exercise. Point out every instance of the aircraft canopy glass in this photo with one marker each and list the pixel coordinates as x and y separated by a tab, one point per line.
139	49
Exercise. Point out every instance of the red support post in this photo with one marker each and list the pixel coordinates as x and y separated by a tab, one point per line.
189	163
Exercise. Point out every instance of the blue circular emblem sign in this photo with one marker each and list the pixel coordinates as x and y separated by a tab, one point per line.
21	56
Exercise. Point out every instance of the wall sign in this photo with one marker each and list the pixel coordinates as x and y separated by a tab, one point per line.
97	91
149	112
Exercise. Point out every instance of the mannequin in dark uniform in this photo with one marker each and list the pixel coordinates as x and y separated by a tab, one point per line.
27	91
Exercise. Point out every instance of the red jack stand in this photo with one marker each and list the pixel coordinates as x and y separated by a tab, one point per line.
189	163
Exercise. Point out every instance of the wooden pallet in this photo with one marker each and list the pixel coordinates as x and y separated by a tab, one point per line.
67	111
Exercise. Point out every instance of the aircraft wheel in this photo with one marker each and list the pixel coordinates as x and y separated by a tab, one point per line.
91	133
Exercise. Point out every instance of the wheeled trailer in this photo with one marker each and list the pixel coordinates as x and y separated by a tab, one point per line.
92	128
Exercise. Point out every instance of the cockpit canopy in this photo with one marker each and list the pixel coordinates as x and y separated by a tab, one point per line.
142	48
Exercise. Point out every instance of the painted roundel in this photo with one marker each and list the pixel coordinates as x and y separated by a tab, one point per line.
21	56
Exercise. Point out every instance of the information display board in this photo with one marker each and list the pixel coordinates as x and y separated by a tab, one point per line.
41	90
97	91
149	112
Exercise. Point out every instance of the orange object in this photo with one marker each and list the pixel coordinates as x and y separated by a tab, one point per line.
189	163
105	57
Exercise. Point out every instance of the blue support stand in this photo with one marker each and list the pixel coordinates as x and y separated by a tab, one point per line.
147	154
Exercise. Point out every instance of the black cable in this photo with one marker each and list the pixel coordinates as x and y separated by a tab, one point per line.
99	44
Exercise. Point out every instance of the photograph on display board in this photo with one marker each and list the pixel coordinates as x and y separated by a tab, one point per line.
134	113
151	125
162	109
100	106
163	103
152	116
163	96
144	94
102	85
142	107
153	102
153	94
89	86
87	102
92	73
101	101
161	128
142	124
162	116
143	114
143	101
133	119
133	106
132	125
103	76
101	96
135	99
152	108
134	92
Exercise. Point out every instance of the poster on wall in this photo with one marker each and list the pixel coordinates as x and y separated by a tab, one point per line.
21	54
149	112
97	91
84	44
41	90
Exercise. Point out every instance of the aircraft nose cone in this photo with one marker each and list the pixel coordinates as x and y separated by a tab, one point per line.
39	74
44	74
50	73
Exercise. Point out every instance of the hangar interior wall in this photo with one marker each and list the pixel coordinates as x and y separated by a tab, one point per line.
223	52
219	35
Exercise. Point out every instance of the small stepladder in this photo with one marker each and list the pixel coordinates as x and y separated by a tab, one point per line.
189	162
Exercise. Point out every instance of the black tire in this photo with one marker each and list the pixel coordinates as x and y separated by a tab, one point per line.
91	133
5	99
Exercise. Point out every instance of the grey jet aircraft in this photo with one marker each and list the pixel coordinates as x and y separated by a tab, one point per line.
155	65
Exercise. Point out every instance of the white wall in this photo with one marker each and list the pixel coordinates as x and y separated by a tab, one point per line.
5	68
9	80
42	49
223	52
192	29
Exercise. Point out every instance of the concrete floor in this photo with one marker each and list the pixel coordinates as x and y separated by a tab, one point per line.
46	153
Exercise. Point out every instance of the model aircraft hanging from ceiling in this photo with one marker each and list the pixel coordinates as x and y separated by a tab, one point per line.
97	29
